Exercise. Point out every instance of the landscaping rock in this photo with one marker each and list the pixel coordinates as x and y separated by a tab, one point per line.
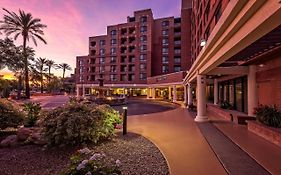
24	133
37	138
11	140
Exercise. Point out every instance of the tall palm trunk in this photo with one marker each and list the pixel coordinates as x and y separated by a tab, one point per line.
63	73
41	82
27	90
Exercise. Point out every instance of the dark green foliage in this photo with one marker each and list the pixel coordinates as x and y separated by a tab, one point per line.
79	123
33	110
10	115
225	105
269	115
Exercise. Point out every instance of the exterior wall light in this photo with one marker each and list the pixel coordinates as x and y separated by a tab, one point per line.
203	42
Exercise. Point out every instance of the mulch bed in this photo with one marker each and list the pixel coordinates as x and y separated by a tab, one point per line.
137	155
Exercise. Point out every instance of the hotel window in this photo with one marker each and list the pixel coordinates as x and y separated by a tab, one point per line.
131	58
113	69
102	69
123	68
218	12
102	42
165	50
113	32
142	67
165	41
143	38
165	23
92	78
142	58
113	51
165	69
165	60
177	51
102	51
132	68
143	48
123	77
177	42
165	32
123	59
102	60
143	29
112	77
177	60
143	19
177	68
93	44
113	59
142	76
131	77
113	41
93	52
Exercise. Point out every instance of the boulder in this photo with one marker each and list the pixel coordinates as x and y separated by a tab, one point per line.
24	133
11	140
37	138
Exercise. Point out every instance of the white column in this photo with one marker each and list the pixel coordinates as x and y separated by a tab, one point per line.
185	94
153	93
252	90
216	92
148	93
189	95
174	93
83	90
201	99
170	92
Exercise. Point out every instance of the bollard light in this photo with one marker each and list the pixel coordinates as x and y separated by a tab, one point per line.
125	108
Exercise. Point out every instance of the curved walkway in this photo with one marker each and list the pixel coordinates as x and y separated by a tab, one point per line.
180	140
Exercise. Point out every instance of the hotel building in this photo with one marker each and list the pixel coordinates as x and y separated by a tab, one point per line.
132	57
218	50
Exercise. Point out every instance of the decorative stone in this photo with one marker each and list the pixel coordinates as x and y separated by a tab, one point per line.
11	140
24	133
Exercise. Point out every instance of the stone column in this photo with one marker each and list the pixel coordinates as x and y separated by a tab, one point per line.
201	99
174	93
170	92
216	92
83	90
189	95
153	93
252	90
185	94
148	93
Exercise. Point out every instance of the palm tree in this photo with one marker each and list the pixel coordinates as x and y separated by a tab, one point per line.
64	67
50	64
29	28
40	64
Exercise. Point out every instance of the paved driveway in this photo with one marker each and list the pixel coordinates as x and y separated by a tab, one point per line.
144	106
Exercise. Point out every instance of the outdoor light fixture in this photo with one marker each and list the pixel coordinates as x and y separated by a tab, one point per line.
203	42
125	120
261	65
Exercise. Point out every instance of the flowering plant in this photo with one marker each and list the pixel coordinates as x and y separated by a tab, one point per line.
86	162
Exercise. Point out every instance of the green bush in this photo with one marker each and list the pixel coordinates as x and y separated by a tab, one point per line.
33	110
10	115
79	123
269	115
87	162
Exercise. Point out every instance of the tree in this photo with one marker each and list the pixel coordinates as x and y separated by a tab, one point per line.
29	28
51	64
40	64
64	67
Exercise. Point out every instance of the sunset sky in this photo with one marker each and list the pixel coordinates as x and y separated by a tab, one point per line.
71	22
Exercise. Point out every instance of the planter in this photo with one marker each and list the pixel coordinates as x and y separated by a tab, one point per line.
270	134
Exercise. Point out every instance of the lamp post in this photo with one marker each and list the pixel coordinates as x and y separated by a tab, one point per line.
125	108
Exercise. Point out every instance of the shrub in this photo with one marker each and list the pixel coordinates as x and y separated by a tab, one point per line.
225	105
10	115
269	115
87	162
79	123
33	110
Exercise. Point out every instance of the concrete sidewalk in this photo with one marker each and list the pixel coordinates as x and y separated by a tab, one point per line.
180	140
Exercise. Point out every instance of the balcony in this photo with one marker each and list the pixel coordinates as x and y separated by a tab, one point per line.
123	31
